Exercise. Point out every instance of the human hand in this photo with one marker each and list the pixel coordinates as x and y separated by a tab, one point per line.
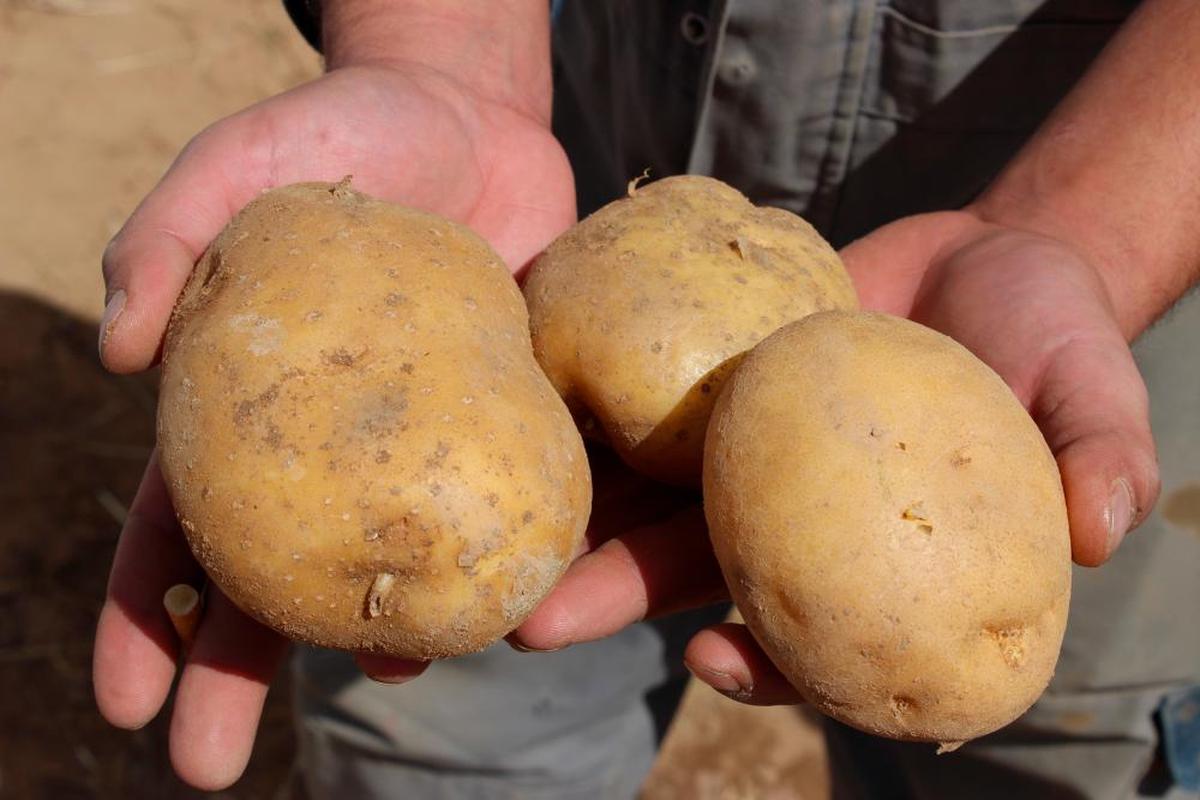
1030	307
406	133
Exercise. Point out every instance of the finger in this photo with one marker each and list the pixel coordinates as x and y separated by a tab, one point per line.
136	648
389	670
149	260
1065	358
645	573
221	695
1092	407
727	658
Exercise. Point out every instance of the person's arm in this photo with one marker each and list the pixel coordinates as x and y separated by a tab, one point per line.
1090	233
434	104
1115	170
498	48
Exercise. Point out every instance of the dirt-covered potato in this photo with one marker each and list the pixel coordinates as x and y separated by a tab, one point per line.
892	526
640	311
360	447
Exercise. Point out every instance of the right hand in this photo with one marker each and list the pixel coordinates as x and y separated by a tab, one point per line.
406	133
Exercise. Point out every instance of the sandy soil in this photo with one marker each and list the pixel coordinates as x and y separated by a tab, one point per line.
96	98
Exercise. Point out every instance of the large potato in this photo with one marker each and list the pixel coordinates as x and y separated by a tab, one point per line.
640	311
892	526
361	449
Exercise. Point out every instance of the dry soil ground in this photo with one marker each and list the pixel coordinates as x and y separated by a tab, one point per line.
96	97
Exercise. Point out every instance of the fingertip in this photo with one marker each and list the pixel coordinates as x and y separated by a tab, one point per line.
136	315
549	627
202	764
148	262
727	658
131	670
221	693
717	651
1110	482
384	669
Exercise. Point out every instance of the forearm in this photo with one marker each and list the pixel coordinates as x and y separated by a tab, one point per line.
1114	170
499	49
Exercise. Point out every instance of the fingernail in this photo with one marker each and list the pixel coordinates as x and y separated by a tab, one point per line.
390	680
520	648
1119	513
723	682
112	310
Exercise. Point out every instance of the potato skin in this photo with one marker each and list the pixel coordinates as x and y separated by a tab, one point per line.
892	526
641	310
360	447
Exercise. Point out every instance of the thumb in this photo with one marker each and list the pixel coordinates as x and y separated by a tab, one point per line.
149	260
1039	315
1092	407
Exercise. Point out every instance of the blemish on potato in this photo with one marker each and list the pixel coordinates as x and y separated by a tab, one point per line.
916	513
377	595
340	357
246	408
1011	639
273	437
266	334
438	457
902	704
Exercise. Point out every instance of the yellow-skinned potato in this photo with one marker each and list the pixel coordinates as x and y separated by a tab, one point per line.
641	310
359	444
891	525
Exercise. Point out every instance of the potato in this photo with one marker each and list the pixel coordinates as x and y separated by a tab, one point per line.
640	311
892	526
360	447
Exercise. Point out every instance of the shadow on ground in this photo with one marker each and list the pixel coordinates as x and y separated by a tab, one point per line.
73	441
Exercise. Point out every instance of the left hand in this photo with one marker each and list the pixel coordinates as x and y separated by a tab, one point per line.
1034	310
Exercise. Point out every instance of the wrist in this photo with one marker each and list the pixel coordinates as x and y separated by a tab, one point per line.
498	51
1110	254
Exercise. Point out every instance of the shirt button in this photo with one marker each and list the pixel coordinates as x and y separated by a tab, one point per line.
737	68
694	28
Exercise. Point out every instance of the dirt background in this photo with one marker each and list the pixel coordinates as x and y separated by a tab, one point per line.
96	98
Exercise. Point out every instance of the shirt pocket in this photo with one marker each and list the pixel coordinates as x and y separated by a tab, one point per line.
1004	72
950	90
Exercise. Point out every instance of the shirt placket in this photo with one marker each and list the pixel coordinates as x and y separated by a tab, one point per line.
783	82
